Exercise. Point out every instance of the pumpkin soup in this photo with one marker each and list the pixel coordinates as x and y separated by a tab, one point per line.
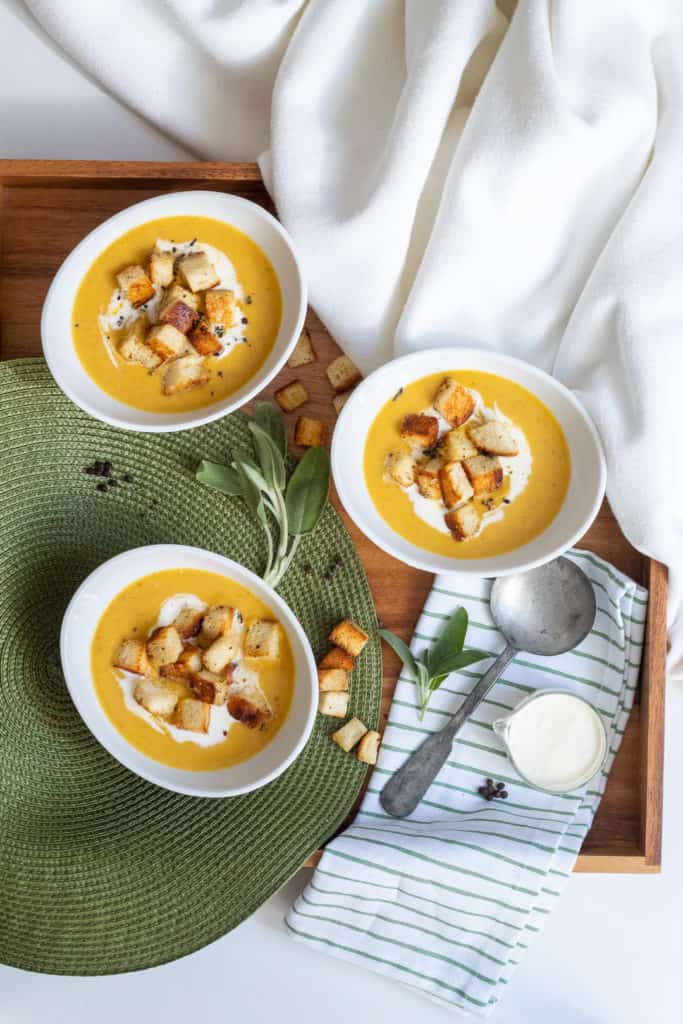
192	669
177	314
469	466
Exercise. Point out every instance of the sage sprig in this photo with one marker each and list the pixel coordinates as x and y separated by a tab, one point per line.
447	654
295	506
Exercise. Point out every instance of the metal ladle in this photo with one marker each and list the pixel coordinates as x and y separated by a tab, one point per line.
546	611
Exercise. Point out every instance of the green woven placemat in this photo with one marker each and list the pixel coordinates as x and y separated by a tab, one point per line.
101	872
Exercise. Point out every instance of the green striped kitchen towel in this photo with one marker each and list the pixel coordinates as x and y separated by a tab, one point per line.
449	899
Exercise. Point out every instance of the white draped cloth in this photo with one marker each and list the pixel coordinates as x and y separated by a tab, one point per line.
455	171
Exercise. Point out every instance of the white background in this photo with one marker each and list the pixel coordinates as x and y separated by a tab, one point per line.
612	953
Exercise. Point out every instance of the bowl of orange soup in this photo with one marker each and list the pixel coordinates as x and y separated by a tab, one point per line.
189	670
174	312
466	461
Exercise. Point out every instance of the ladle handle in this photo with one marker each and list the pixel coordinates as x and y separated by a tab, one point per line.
405	789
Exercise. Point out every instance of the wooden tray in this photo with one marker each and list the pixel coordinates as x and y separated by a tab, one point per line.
47	206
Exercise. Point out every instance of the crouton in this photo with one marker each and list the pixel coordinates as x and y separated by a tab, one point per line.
155	697
249	705
164	646
456	446
198	272
134	348
262	640
183	374
167	342
310	433
455	487
349	734
203	340
176	293
188	622
427	480
399	468
209	687
463	522
334	680
219	619
422	430
222	651
485	473
350	637
219	305
135	285
160	269
454	402
337	658
333	704
131	656
494	438
368	748
188	662
291	396
339	401
343	374
193	715
303	352
179	315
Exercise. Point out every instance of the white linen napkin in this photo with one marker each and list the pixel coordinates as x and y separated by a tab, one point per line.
454	172
449	899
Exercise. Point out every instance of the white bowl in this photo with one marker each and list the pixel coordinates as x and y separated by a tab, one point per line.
586	485
55	326
79	624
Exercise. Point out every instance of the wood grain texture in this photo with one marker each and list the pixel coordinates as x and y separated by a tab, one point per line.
47	206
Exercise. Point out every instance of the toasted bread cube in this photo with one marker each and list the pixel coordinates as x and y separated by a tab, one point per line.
176	293
291	396
262	640
368	748
456	446
160	270
184	374
337	658
188	622
494	438
179	315
422	430
463	522
350	637
167	342
339	401
203	340
485	473
193	715
333	680
310	433
454	402
219	305
221	653
399	468
303	352
189	662
455	486
209	687
343	374
249	705
198	272
155	697
427	480
349	734
136	286
219	619
134	348
333	704
164	646
131	656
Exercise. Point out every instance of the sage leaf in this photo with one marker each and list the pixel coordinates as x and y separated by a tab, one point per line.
449	642
251	491
270	420
307	491
269	456
460	659
402	650
221	478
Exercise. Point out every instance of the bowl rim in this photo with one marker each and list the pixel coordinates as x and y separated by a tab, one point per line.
205	414
147	771
450	354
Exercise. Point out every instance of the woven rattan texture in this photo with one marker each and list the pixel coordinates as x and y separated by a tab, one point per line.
101	872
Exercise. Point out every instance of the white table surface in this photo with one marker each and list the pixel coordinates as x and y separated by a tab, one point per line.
612	953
